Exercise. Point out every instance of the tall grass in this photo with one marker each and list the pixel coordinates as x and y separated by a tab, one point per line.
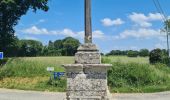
33	66
136	77
125	59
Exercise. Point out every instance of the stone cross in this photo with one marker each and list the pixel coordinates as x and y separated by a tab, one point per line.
88	28
87	78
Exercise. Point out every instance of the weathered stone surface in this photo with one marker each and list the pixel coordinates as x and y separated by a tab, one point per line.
88	54
86	81
87	58
87	47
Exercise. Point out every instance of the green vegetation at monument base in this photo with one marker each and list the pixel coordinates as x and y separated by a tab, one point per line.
125	75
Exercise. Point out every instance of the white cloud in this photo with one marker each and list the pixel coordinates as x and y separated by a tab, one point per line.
139	33
30	38
110	22
35	30
65	32
144	20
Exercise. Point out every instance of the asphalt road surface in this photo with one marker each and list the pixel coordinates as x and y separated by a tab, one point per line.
6	94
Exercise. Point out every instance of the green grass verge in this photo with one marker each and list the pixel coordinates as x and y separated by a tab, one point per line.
126	75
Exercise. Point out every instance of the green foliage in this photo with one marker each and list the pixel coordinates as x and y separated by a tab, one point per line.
70	46
133	74
144	53
124	76
166	60
155	56
106	60
20	67
58	83
29	48
136	77
132	53
65	47
117	52
10	13
3	61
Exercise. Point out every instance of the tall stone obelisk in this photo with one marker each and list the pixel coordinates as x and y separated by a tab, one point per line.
87	78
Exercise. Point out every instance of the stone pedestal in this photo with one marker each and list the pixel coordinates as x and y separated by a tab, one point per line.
87	78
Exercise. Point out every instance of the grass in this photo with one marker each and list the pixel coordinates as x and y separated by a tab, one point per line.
125	59
30	73
126	75
135	77
26	83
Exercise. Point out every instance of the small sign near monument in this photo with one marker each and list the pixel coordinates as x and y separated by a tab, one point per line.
1	55
50	69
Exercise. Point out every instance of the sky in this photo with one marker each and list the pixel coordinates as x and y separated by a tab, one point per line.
116	24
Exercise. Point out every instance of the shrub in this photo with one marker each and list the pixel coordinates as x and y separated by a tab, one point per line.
3	61
155	56
58	82
132	53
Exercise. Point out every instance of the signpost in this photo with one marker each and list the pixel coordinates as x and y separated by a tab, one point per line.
50	69
1	55
57	75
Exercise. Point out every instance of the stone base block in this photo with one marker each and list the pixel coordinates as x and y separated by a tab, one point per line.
87	54
87	81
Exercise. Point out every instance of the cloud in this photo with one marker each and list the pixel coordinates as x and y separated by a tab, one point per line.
144	20
30	38
65	32
138	33
110	22
35	30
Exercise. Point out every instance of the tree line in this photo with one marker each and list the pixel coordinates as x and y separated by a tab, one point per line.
132	53
29	48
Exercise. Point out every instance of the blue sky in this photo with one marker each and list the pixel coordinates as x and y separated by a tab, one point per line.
117	24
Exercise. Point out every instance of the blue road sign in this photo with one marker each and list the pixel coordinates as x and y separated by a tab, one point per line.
1	55
57	75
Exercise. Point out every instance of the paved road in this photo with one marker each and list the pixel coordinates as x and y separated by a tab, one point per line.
6	94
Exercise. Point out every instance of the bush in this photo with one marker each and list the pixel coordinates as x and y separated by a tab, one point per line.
3	61
132	53
58	82
155	56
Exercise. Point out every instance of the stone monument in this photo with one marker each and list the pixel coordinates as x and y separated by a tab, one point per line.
87	78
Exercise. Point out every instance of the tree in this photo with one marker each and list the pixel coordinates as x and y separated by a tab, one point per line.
155	56
132	53
30	48
10	13
70	46
58	44
144	52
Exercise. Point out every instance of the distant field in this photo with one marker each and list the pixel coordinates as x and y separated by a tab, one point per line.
125	59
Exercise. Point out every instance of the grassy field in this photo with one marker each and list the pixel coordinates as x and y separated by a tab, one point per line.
126	75
125	59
